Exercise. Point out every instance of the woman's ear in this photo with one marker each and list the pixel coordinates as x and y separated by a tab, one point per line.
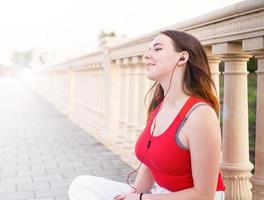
184	57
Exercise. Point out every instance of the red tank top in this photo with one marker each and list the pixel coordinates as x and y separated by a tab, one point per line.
169	163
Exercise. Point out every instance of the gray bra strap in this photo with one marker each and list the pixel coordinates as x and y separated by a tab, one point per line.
183	122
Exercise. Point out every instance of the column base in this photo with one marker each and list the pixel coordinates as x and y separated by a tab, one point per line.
236	180
258	188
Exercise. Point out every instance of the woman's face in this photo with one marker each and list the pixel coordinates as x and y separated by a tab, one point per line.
161	58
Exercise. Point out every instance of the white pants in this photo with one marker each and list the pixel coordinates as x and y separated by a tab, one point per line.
88	187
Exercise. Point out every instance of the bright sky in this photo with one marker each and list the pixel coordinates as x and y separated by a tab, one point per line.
70	27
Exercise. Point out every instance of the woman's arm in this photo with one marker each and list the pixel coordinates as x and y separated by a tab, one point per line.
143	183
204	140
144	180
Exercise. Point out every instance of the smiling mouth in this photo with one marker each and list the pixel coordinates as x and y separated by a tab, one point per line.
150	65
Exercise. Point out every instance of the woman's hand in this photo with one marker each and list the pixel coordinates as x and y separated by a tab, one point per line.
128	196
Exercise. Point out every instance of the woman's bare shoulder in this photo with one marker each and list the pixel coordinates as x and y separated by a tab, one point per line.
202	112
203	118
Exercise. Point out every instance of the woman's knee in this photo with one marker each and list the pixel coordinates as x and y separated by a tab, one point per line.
82	180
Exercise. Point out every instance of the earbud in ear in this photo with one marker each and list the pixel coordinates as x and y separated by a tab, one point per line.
182	58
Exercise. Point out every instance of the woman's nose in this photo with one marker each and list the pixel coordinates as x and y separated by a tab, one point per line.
147	56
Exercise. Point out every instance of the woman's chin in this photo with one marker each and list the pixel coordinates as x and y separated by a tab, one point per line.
151	76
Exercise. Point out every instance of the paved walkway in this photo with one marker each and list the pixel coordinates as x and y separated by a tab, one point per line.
41	150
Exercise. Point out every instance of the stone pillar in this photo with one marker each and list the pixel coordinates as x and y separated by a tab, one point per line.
106	62
132	98
71	91
257	179
116	85
141	110
92	91
213	62
256	46
99	122
235	164
129	110
122	128
101	114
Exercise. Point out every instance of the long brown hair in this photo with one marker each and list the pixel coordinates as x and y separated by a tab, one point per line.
197	79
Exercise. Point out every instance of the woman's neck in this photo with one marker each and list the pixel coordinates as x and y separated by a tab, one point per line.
174	92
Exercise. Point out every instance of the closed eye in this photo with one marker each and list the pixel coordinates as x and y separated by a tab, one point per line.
158	49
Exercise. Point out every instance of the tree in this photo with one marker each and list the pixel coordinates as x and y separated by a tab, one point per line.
21	58
104	34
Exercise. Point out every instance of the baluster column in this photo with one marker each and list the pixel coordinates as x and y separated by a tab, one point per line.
256	46
213	62
235	164
122	130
